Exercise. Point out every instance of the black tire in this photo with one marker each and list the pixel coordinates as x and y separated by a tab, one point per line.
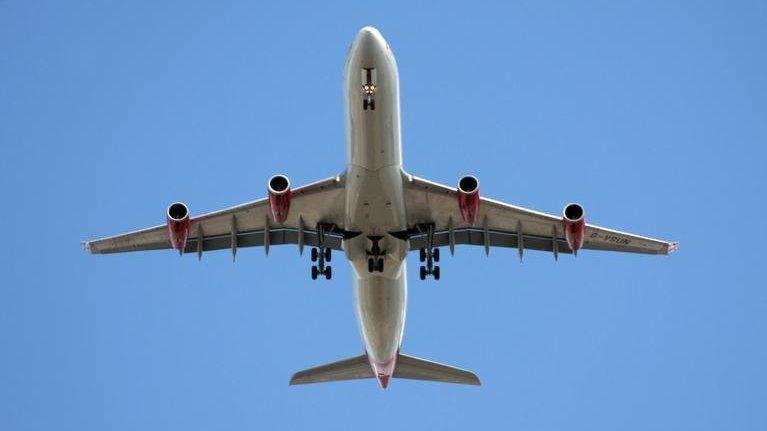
422	255
436	273
314	255
371	265
328	273
315	272
372	104
423	272
435	254
380	265
328	254
365	104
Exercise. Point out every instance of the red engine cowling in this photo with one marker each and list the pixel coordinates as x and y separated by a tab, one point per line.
279	197
178	225
574	225
468	198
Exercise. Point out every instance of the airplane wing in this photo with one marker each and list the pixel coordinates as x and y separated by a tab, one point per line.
502	225
250	224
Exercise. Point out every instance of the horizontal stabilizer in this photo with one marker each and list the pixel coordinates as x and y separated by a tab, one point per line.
354	368
407	367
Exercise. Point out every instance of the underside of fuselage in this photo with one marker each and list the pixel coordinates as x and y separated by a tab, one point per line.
374	198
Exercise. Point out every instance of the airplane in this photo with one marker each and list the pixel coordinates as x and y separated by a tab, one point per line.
375	212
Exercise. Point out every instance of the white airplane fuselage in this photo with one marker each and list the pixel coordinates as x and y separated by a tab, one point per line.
375	202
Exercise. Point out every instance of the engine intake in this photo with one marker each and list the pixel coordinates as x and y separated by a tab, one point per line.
178	225
574	225
468	198
279	197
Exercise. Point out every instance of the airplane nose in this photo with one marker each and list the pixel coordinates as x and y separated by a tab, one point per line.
370	39
369	32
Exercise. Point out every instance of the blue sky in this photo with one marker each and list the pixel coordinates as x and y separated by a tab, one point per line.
652	115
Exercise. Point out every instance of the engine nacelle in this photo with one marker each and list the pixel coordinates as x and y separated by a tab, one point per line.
574	225
178	225
279	197
468	198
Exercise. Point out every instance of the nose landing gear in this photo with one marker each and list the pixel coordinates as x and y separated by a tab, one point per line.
368	102
369	89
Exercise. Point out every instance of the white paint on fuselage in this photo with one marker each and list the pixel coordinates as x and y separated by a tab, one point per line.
374	197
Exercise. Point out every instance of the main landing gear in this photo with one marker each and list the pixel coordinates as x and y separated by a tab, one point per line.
375	255
429	254
321	254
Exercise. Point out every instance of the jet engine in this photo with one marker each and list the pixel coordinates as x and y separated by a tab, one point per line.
178	225
468	198
279	197
574	225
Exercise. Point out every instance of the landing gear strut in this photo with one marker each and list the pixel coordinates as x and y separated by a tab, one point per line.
375	255
429	254
321	254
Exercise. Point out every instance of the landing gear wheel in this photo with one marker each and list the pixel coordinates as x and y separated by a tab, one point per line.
364	104
422	255
435	253
328	273
315	272
371	265
380	265
436	273
314	255
372	105
423	272
327	254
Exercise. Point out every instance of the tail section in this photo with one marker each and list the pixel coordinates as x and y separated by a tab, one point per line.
407	367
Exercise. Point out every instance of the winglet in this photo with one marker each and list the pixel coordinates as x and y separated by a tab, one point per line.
86	245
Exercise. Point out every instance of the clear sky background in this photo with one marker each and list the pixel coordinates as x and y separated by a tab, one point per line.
652	115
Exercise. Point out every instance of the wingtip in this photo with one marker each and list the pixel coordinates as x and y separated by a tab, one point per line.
86	246
476	380
673	247
294	380
473	379
297	379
